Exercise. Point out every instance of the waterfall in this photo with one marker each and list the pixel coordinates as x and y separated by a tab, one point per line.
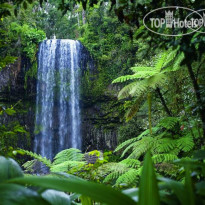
58	122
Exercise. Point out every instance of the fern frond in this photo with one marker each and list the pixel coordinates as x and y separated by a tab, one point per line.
125	92
140	147
44	160
124	78
140	88
176	64
144	134
128	148
71	154
145	74
131	163
28	166
185	143
171	55
168	122
159	158
143	68
114	175
178	61
164	145
134	109
127	142
161	60
167	168
66	166
135	89
157	80
130	177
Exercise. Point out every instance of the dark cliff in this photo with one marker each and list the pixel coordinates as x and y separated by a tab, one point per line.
99	114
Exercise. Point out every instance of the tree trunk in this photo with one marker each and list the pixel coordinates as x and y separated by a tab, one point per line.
198	97
163	102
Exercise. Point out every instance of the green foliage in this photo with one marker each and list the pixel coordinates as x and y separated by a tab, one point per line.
68	155
148	78
47	188
148	189
9	169
29	37
122	174
44	160
11	132
164	144
7	60
50	190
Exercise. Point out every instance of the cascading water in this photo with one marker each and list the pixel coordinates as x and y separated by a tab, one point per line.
57	102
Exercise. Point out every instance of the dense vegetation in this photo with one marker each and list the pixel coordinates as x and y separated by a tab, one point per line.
159	83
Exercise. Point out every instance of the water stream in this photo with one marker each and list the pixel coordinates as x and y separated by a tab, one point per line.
58	121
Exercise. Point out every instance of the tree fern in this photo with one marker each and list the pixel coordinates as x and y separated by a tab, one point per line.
147	78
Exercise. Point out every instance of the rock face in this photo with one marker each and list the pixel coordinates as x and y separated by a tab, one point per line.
13	93
99	116
99	124
12	82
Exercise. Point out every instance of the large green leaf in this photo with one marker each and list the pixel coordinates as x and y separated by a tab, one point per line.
148	189
189	188
176	187
56	197
133	193
201	188
13	194
9	169
98	192
86	200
